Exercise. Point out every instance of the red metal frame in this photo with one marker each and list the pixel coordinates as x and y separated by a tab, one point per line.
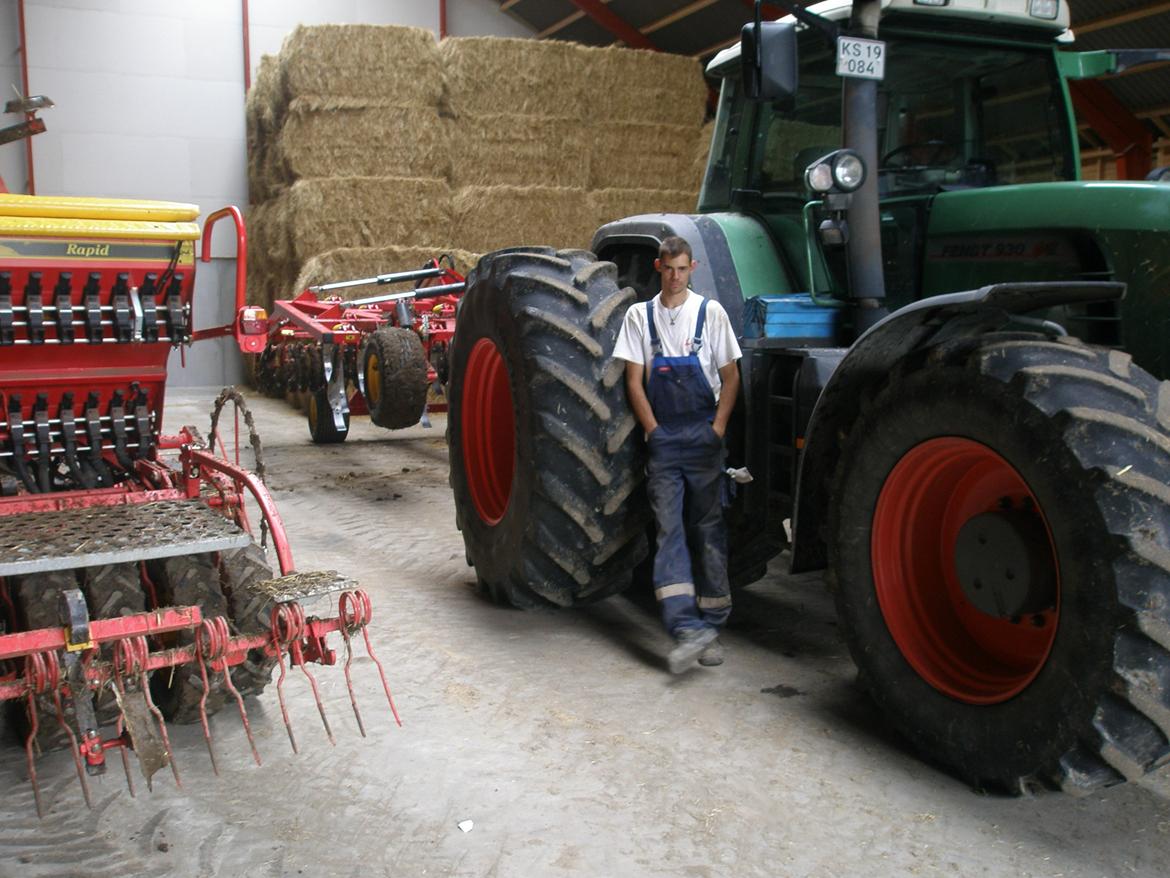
310	319
615	24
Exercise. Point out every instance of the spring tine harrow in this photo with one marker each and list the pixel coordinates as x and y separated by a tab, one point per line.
292	739
288	623
130	658
355	610
120	730
74	749
36	673
200	654
216	638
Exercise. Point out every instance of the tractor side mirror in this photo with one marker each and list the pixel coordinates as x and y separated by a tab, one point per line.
768	53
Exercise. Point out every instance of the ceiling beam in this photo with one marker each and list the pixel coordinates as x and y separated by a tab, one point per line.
560	25
679	14
1107	21
615	24
1125	134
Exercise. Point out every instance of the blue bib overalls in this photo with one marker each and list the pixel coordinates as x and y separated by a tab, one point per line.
684	479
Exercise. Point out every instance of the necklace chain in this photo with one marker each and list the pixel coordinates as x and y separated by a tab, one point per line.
672	315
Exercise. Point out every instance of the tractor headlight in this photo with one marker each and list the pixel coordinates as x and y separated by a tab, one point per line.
1046	9
842	170
848	171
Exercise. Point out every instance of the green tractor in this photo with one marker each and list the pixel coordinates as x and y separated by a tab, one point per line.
950	395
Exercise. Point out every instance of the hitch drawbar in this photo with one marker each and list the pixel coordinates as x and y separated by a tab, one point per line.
63	669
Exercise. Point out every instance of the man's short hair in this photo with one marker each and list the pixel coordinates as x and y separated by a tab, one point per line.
674	246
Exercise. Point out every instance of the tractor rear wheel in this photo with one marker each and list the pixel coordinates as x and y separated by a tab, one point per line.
395	371
1001	553
546	460
322	428
111	591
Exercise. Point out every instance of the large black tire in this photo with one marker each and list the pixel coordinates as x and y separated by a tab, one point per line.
1068	688
546	463
112	590
322	429
395	370
183	581
241	573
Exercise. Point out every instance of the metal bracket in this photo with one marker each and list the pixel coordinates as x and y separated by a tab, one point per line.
74	615
335	384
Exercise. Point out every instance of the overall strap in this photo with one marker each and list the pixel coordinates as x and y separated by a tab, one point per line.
698	340
655	344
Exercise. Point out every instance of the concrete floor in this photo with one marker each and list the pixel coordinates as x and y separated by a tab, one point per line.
558	734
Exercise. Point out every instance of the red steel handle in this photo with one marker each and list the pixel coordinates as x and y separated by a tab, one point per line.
241	249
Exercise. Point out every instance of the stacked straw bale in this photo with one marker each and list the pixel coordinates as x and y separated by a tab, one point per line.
372	148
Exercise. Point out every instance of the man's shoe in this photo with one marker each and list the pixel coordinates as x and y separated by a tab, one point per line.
689	644
712	655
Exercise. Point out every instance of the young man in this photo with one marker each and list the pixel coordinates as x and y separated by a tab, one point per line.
682	380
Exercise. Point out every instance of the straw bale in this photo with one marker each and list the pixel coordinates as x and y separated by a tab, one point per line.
702	151
489	217
363	60
638	85
636	155
519	150
323	214
486	75
261	124
347	137
607	205
350	263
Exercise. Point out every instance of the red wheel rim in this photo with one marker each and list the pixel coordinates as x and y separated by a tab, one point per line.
936	488
489	431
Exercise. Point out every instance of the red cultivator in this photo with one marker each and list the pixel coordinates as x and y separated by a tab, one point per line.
132	590
377	355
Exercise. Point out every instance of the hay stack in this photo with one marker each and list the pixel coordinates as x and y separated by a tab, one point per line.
358	137
493	75
350	263
632	155
369	61
490	217
637	85
262	126
607	205
325	214
519	150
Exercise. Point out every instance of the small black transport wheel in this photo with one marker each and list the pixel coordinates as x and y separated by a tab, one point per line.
546	464
184	581
112	590
242	575
322	427
1000	547
395	371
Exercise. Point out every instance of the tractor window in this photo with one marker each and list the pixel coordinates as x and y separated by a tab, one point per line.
952	116
788	141
963	116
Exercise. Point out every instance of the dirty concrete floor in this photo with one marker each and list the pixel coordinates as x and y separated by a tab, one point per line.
558	735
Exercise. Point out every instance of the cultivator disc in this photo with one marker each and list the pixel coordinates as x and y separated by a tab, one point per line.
57	672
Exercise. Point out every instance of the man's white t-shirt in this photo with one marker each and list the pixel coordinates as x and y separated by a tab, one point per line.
719	345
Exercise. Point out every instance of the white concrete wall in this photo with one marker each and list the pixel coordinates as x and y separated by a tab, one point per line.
150	104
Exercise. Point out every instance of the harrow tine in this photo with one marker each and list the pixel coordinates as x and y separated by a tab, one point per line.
130	657
289	625
120	730
218	638
349	661
199	648
74	747
362	611
276	622
28	750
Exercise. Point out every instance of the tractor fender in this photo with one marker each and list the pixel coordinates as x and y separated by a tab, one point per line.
734	253
871	359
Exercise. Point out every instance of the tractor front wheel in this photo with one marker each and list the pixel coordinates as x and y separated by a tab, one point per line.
1001	554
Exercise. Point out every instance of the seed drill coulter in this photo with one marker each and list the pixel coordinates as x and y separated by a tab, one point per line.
135	588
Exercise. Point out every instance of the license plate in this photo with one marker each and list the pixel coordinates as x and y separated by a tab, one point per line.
863	59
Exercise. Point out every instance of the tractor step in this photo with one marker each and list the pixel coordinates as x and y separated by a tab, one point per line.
38	542
304	586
